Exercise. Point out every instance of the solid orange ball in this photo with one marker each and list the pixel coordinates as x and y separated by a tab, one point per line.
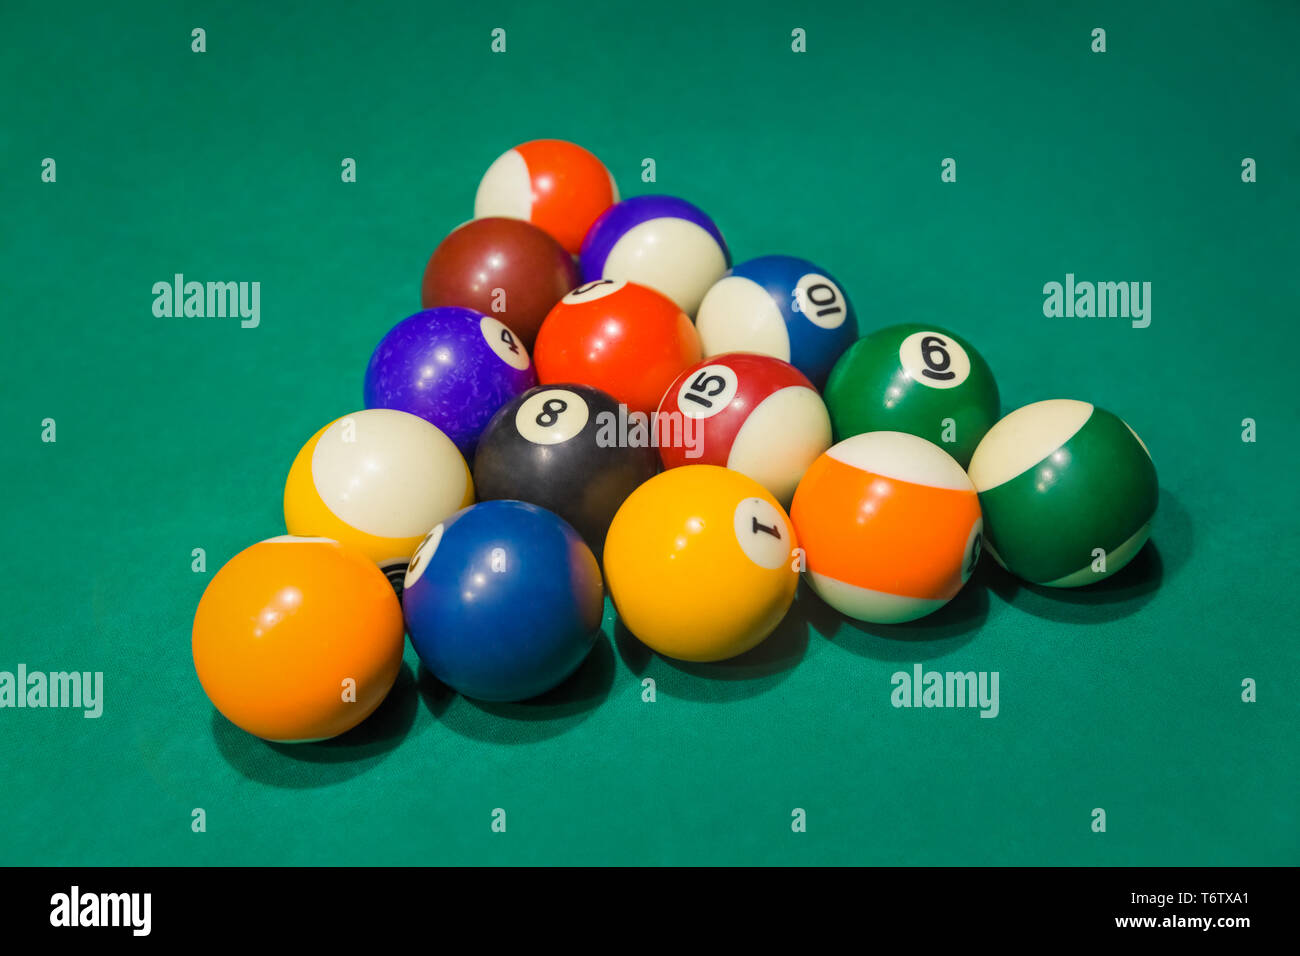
620	337
298	639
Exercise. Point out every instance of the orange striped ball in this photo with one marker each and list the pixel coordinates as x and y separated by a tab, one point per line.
890	526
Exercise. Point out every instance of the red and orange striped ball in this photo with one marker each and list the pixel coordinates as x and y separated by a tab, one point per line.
557	186
890	526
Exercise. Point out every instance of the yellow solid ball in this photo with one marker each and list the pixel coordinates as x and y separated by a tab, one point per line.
699	563
376	481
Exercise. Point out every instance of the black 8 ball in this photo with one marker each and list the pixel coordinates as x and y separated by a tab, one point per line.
560	447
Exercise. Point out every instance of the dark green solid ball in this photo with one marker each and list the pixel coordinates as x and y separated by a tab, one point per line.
918	379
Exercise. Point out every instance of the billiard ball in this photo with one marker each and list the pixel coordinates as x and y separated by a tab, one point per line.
780	306
558	186
1068	492
619	337
453	367
506	268
917	379
297	639
376	481
661	242
503	601
700	564
752	413
890	526
557	446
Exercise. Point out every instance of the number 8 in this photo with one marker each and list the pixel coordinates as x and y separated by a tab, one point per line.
552	408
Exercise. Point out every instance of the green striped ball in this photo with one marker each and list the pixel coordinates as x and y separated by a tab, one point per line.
1058	480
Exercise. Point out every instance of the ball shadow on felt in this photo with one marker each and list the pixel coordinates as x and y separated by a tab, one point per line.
952	626
547	715
303	766
752	673
1125	592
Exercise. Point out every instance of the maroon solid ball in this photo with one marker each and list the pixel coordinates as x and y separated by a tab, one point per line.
506	268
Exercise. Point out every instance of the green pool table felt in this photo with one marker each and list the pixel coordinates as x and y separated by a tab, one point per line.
176	433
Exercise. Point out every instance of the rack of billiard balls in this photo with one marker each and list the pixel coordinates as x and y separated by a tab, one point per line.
594	398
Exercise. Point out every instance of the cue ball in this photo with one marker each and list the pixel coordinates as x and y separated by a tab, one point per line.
619	337
555	446
453	367
917	379
297	639
1068	492
503	601
781	306
506	268
661	242
752	413
376	480
699	563
557	186
890	526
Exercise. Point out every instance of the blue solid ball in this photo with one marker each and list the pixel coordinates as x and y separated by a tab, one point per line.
450	366
781	306
503	601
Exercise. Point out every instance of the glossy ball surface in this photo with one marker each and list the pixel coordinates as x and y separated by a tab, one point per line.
699	563
751	413
503	601
452	367
554	446
619	337
781	306
917	379
890	525
661	242
281	628
1059	480
505	268
376	481
556	185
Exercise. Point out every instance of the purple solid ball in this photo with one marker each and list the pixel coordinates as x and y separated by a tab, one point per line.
450	366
